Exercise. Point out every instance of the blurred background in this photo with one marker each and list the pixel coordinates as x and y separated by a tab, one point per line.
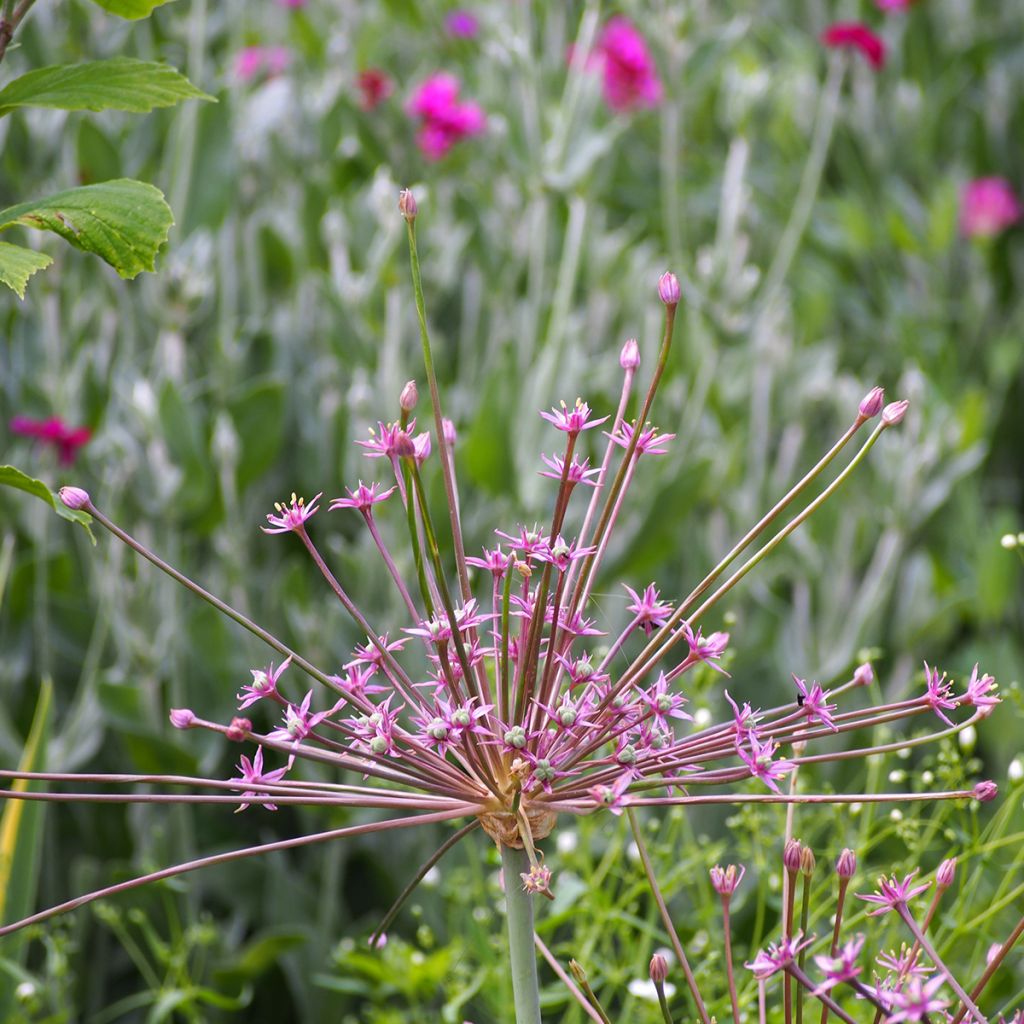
838	216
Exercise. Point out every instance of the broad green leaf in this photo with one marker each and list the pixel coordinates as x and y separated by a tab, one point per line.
124	222
132	9
12	477
120	83
18	264
21	825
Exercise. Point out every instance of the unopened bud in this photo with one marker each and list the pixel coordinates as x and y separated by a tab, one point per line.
668	289
448	430
864	675
407	205
629	357
725	881
403	446
182	718
658	969
871	403
894	412
799	747
791	856
537	879
846	866
238	729
945	874
807	862
74	497
409	396
986	791
577	972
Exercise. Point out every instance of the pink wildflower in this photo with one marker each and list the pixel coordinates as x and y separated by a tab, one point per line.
777	957
579	472
855	35
843	966
893	893
759	760
987	207
612	797
726	881
375	86
938	693
893	5
292	516
462	24
362	498
264	684
980	693
298	721
537	879
54	431
650	442
252	772
573	420
649	609
917	1000
444	121
813	702
252	60
630	78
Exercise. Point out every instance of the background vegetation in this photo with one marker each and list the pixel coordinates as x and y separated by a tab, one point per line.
280	326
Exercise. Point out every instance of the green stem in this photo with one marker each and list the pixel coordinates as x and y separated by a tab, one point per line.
522	958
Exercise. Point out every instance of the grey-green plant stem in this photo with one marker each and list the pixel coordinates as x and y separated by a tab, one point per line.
666	918
666	1014
519	919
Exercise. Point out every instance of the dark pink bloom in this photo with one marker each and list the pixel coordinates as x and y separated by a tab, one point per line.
650	442
845	34
291	516
444	120
54	431
917	1000
777	957
253	60
374	88
573	420
843	966
980	692
264	683
362	498
938	693
727	880
987	207
893	5
252	772
813	700
649	609
462	24
630	78
760	764
893	893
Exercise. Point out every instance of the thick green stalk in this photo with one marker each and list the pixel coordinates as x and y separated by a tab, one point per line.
522	958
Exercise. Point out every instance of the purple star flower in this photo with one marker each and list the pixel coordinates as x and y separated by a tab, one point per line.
290	516
252	772
495	562
759	761
362	498
663	704
650	442
980	693
613	797
649	609
939	693
841	967
893	893
573	420
813	702
777	957
745	721
917	1000
579	472
264	683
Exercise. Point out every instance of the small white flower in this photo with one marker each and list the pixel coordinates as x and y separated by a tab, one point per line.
643	988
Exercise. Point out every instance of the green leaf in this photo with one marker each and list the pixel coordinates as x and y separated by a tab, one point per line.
132	9
18	264
120	83
12	477
124	222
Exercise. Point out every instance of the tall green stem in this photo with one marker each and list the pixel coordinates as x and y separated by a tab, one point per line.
522	958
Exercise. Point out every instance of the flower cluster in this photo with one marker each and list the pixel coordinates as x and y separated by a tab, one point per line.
444	118
54	432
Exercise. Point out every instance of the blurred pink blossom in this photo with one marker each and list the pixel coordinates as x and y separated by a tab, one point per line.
630	76
252	60
462	24
375	86
893	5
987	207
443	119
855	35
54	431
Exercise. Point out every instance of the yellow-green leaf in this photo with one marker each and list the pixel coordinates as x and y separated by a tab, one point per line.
18	264
124	222
120	83
130	8
13	477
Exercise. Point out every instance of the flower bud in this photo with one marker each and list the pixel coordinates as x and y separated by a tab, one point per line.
871	404
403	446
726	881
807	862
791	856
986	791
409	396
379	941
945	874
182	718
668	289
577	972
407	205
658	969
537	879
629	357
448	430
846	865
864	675
894	412
238	729
74	497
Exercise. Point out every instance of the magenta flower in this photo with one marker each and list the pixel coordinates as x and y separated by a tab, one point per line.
299	721
630	78
841	967
444	120
777	957
938	693
461	24
254	60
612	797
903	965
292	516
253	774
650	611
726	881
813	701
494	561
980	692
916	1001
362	498
893	893
893	5
375	86
55	432
745	719
650	442
758	760
988	206
579	472
663	703
264	684
573	420
857	36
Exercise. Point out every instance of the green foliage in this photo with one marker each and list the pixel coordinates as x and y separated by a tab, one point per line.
13	477
132	9
18	264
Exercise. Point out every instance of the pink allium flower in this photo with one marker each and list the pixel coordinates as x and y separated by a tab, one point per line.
54	431
375	86
893	893
649	609
462	24
758	760
938	693
630	78
579	472
264	684
813	701
290	517
980	692
727	880
362	498
855	35
777	957
573	420
74	497
650	442
444	121
252	772
843	966
987	207
917	1000
252	60
904	964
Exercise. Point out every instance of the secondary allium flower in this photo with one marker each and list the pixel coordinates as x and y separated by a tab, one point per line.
916	1001
264	684
841	967
630	78
857	36
893	893
988	206
461	24
291	516
777	957
980	692
726	881
939	693
572	420
55	432
253	774
444	120
362	498
254	60
375	86
893	5
814	702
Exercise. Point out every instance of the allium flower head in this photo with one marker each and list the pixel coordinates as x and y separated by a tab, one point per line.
264	684
857	36
777	957
649	441
253	774
572	420
813	701
938	693
893	893
362	498
726	881
291	516
988	207
980	691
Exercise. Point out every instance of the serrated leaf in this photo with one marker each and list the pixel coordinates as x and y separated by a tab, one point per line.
124	221
120	83
10	476
18	264
132	9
